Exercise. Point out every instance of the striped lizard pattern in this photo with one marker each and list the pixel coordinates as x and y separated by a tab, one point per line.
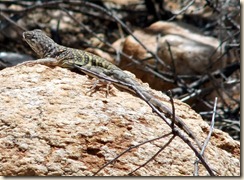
53	54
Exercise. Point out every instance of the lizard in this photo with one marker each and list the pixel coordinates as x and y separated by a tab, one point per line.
53	54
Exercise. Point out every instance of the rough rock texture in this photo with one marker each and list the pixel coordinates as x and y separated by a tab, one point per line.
50	126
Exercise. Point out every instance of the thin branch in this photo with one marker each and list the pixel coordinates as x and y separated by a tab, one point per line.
10	21
173	108
182	10
154	156
128	149
208	137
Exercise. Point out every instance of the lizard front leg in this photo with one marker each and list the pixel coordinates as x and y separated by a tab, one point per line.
50	62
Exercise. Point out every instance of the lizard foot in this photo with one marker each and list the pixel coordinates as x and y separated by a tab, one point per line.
98	84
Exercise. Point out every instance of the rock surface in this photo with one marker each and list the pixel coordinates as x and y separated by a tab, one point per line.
50	126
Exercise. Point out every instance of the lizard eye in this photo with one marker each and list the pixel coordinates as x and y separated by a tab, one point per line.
33	39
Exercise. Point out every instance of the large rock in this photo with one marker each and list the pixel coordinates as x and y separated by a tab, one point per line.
50	126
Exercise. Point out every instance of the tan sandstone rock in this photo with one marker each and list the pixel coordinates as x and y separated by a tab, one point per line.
49	126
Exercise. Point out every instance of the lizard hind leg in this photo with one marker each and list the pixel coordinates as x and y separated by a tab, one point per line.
97	85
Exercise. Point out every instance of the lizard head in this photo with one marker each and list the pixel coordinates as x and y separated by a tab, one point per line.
39	42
